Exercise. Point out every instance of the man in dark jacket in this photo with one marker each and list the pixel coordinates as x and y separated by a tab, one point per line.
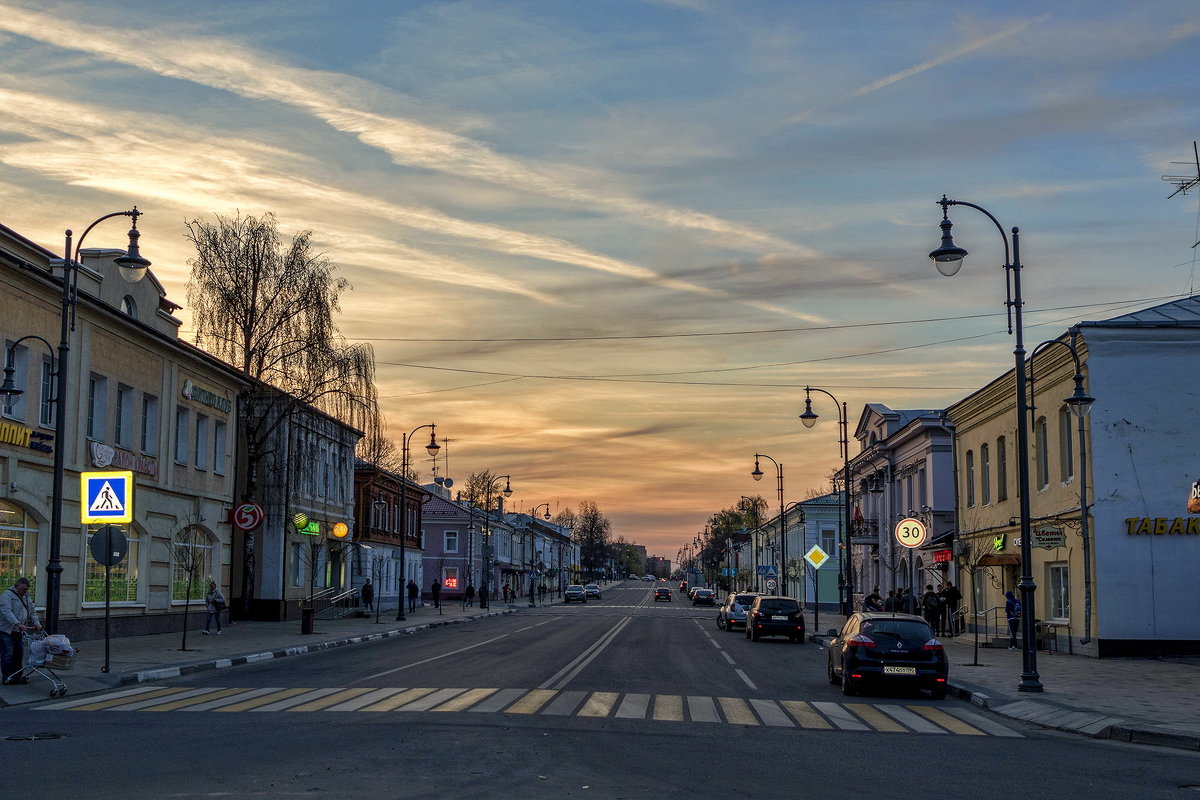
367	593
931	608
469	595
436	591
414	592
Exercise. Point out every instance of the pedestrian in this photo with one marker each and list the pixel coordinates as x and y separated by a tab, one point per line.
889	604
506	591
1012	612
436	591
951	598
542	591
414	591
873	602
470	594
17	615
367	593
214	604
931	608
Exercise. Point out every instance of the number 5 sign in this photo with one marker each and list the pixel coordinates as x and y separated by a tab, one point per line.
911	533
247	516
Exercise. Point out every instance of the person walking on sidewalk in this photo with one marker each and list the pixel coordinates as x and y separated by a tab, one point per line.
951	597
931	608
367	593
214	604
890	603
413	592
470	594
17	615
436	591
1012	612
507	592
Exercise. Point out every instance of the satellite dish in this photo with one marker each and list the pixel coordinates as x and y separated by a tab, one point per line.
448	482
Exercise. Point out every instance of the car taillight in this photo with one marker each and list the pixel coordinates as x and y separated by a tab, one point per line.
933	645
861	640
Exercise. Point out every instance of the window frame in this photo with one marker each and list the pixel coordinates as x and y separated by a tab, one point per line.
1066	446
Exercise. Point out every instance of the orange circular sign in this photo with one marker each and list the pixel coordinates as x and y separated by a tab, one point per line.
340	529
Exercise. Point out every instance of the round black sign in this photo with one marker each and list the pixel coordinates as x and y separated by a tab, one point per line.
109	545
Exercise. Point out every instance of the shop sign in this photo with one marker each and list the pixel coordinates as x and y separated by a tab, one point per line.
1193	505
1163	526
1049	537
201	395
25	437
998	543
105	456
942	556
311	528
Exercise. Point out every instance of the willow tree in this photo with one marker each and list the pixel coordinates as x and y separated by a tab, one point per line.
267	308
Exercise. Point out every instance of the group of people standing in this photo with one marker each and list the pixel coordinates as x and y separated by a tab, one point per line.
939	608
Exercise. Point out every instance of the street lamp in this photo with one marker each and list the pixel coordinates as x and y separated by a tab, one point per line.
809	418
948	258
431	448
757	474
484	601
1080	403
132	267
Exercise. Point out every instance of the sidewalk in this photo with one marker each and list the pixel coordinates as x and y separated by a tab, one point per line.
137	659
1141	700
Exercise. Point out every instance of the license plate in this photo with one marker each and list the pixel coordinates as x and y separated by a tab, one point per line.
780	617
899	670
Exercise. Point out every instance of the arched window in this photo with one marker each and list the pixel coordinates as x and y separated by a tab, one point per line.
18	546
985	474
1041	452
192	564
970	478
129	307
1066	450
1001	469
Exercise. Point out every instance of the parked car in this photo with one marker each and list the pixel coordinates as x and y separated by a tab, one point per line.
887	648
647	577
772	615
591	590
733	611
574	592
632	578
662	593
692	591
704	597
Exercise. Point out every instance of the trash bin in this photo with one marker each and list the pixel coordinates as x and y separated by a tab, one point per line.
306	620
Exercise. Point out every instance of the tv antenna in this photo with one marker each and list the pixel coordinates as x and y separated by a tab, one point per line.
1185	182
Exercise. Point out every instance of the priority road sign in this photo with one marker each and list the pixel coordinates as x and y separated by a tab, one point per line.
816	556
105	497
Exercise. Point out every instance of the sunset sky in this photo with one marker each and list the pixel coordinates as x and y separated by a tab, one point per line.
605	244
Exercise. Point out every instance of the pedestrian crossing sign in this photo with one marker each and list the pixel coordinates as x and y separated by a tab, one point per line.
105	497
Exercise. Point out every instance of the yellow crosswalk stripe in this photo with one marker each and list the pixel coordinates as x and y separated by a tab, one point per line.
737	711
600	704
263	700
668	707
805	715
192	701
875	718
466	700
329	700
397	700
532	702
952	724
103	704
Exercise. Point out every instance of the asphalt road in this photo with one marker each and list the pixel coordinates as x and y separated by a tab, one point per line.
622	698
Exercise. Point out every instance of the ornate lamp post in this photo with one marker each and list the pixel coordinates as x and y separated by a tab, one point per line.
757	474
132	267
948	259
809	418
485	594
432	448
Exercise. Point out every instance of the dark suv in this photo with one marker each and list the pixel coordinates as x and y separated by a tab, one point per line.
770	615
879	647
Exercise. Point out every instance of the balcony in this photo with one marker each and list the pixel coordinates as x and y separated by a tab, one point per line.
864	532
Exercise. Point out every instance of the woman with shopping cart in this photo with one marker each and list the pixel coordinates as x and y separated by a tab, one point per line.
17	615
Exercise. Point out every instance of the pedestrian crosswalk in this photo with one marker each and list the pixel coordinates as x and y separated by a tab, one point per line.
699	709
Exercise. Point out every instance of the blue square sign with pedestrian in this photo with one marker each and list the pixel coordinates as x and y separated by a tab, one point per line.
105	497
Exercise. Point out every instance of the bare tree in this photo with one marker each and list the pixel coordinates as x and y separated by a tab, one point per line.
969	552
268	309
189	550
593	532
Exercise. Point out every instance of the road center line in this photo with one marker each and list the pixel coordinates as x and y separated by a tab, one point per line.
433	658
568	673
743	676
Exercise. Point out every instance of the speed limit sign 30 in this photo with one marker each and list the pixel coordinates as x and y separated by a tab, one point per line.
911	533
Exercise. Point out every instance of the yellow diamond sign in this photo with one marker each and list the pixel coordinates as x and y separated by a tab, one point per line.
816	556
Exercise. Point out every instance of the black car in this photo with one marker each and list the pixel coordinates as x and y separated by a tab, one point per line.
772	615
704	597
886	648
662	593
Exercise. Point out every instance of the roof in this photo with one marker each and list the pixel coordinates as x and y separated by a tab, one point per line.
1183	313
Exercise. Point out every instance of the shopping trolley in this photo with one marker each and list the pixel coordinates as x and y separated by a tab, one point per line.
46	654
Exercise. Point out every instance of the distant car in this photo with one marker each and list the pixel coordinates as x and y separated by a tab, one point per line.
591	590
683	587
574	592
772	615
704	597
692	591
632	578
662	593
887	648
733	610
647	577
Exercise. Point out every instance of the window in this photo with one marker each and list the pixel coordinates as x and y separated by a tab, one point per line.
970	478
985	474
181	435
1058	591
297	565
14	405
129	306
219	445
1001	469
1066	451
191	564
922	488
1041	454
123	577
97	405
451	542
149	433
201	452
829	544
123	419
46	407
450	577
18	546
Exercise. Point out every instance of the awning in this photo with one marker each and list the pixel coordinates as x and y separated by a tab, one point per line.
999	560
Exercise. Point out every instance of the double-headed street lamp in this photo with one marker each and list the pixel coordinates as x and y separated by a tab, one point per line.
845	575
757	474
948	258
132	267
485	595
432	448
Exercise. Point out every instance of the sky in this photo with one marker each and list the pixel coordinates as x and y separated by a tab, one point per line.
605	245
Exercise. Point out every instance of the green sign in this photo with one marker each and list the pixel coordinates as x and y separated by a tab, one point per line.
311	528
